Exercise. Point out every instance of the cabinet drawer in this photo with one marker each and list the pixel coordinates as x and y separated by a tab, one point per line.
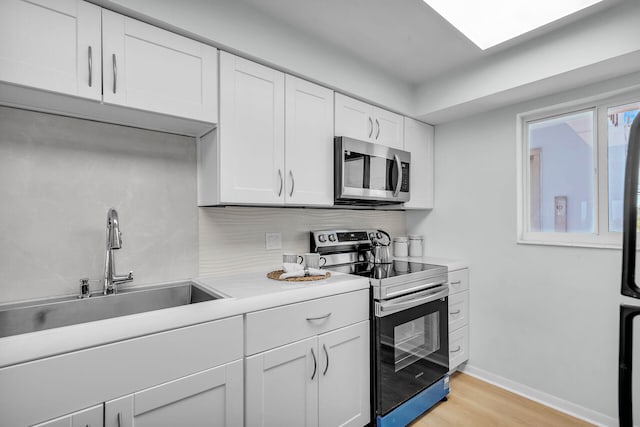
458	310
274	327
458	281
458	347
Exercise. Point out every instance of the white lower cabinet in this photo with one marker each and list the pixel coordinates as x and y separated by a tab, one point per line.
190	376
213	397
90	417
307	363
343	399
319	381
458	318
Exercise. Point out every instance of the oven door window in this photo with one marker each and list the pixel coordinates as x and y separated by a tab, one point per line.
415	340
412	352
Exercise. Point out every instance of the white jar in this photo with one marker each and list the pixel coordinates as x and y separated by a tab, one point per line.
400	247
415	245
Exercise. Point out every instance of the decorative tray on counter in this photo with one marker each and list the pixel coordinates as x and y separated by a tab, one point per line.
275	275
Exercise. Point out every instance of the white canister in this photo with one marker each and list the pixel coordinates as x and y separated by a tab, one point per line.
415	245
400	247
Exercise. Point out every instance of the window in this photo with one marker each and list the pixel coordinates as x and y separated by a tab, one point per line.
571	178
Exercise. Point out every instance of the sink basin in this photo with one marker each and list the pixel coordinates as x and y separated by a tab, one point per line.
34	316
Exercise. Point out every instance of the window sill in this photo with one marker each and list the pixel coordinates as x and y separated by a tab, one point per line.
591	245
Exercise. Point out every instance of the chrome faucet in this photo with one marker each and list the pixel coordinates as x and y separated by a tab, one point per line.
114	241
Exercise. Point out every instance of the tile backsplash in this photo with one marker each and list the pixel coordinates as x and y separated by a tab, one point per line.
233	238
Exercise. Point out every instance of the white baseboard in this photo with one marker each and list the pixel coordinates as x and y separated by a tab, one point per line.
546	399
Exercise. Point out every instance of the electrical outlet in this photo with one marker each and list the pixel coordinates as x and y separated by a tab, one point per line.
273	241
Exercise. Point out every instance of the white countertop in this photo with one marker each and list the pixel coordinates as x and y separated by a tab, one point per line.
245	292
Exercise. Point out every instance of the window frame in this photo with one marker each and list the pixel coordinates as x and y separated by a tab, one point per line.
601	237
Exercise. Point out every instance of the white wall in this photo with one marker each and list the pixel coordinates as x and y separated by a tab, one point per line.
602	46
541	316
58	178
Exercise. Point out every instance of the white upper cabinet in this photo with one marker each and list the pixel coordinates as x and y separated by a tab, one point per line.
308	143
251	132
418	139
254	158
359	120
152	69
51	45
52	59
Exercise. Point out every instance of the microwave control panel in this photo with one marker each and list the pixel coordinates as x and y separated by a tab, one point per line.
405	177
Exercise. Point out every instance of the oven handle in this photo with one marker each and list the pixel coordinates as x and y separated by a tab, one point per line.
393	307
422	285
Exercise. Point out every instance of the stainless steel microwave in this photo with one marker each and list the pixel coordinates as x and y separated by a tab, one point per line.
370	174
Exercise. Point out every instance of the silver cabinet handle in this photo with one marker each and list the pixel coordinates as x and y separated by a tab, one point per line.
455	312
399	183
315	364
90	67
281	183
293	183
456	350
326	316
378	132
370	127
119	423
326	353
115	73
457	282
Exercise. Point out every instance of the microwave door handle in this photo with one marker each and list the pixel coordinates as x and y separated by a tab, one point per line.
399	183
414	302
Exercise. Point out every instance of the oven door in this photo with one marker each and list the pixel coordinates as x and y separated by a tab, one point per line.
412	346
367	172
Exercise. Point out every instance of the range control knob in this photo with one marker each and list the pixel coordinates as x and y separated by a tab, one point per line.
332	237
379	235
322	238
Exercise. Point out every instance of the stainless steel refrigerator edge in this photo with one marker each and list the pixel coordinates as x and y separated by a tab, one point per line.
629	286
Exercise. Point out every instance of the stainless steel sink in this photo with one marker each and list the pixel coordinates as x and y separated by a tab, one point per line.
34	316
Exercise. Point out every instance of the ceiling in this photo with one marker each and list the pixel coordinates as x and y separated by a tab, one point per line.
406	39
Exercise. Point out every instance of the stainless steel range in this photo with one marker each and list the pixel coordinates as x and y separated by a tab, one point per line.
409	323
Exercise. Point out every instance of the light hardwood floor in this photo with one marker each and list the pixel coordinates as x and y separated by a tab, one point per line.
473	402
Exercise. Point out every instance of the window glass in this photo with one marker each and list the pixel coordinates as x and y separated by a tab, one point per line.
561	173
619	120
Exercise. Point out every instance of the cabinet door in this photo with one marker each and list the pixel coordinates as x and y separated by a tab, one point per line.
308	143
389	128
344	396
251	132
418	139
212	397
90	417
53	45
458	347
152	69
458	310
353	118
282	386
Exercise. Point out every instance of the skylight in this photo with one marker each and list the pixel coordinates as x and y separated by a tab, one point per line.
491	22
